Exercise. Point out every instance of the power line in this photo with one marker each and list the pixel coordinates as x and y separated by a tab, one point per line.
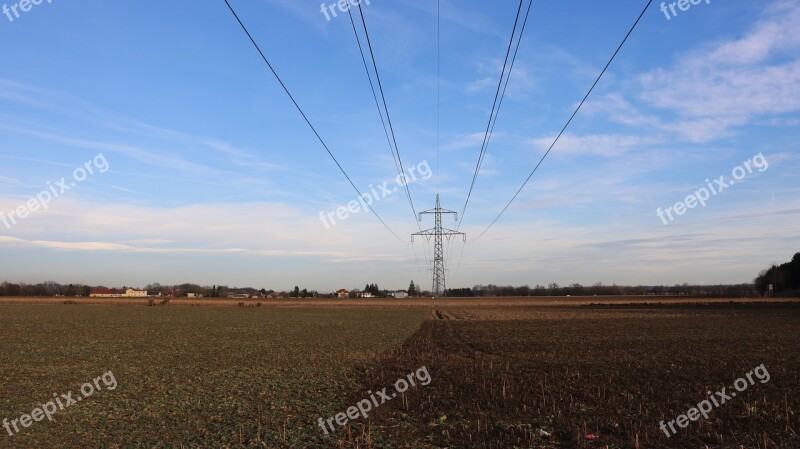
416	259
393	149
401	169
572	117
386	108
438	87
458	267
495	108
372	87
493	122
439	103
497	96
305	117
505	88
395	158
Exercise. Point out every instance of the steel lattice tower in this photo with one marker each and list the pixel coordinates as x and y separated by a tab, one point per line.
439	283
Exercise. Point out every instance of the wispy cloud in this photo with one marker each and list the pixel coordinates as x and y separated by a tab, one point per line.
605	145
470	141
334	256
66	105
9	180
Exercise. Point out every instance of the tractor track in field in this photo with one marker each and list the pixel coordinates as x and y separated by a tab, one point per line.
444	315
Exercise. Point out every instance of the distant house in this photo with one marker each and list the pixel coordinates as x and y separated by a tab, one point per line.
103	292
238	295
274	295
400	294
366	295
133	293
342	294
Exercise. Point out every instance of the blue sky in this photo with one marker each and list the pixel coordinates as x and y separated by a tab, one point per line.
214	177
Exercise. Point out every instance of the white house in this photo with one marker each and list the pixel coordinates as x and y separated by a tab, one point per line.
399	294
136	293
342	294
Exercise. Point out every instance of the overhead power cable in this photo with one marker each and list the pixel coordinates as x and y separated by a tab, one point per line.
438	88
572	117
395	146
380	113
498	98
305	117
374	93
386	109
495	111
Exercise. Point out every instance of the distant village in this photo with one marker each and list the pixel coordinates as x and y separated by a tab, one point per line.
54	289
197	291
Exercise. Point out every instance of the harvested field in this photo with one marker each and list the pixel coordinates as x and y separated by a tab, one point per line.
504	374
187	377
589	377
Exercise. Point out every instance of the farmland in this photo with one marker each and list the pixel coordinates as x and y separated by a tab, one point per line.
505	373
200	377
597	377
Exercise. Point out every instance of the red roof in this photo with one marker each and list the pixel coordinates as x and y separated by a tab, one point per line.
342	291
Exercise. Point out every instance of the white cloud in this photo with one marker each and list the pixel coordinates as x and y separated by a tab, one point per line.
9	180
727	84
70	107
714	89
481	84
736	94
71	224
604	145
777	33
474	140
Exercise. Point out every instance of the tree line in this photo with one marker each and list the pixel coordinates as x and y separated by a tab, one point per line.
785	279
554	289
44	289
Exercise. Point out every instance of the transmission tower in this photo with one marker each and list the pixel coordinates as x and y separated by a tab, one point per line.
437	233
